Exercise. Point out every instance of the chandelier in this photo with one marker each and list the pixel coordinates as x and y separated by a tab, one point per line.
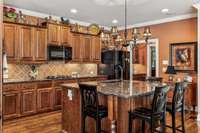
113	39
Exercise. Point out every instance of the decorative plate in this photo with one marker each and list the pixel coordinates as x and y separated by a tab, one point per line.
94	29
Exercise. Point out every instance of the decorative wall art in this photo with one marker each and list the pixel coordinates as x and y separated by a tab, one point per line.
183	56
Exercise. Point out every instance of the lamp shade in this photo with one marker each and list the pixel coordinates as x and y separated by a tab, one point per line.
170	70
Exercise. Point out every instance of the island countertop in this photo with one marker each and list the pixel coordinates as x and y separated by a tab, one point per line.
120	88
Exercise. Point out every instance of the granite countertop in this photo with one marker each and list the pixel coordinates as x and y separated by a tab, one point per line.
120	88
8	81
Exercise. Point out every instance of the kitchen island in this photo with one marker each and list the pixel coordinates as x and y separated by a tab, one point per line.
118	96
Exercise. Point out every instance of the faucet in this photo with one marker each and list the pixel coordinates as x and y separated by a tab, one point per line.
121	70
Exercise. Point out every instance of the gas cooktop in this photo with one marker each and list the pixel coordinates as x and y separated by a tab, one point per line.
59	77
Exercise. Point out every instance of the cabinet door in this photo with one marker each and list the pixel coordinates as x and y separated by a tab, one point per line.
58	98
41	45
86	48
11	41
28	102
53	34
11	105
44	99
96	49
64	34
26	41
76	47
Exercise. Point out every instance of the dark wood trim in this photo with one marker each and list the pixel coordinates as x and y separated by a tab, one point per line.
76	32
25	24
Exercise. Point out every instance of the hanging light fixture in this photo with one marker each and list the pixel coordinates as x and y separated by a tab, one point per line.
135	33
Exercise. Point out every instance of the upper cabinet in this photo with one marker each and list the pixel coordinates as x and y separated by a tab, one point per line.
76	47
87	48
96	49
58	34
11	41
53	34
28	44
40	44
64	35
25	44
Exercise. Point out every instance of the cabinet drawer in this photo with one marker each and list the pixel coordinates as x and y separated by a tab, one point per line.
10	87
44	85
58	83
28	86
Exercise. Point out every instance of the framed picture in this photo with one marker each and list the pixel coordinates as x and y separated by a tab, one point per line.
183	56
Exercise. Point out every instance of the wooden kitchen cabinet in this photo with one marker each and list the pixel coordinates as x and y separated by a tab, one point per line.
40	44
26	42
57	97
28	102
53	34
44	99
64	35
86	49
11	41
76	47
11	105
96	49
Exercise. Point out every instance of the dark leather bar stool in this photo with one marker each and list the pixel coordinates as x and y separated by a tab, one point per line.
177	105
153	115
90	106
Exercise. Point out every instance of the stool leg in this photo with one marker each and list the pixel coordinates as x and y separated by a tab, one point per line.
152	125
164	122
174	121
98	126
129	123
183	119
83	124
143	126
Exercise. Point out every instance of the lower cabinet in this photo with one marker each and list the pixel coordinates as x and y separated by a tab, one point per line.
28	102
11	104
44	99
58	97
23	99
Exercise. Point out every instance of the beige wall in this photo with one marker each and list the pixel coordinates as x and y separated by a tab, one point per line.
173	32
21	72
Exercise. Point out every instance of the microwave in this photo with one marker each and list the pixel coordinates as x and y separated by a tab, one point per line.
59	53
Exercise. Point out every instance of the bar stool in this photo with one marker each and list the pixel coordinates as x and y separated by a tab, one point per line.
90	106
177	105
157	112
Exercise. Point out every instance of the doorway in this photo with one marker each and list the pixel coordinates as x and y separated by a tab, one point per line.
152	57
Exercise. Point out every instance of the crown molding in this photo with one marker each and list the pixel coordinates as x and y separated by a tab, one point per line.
197	5
43	15
160	21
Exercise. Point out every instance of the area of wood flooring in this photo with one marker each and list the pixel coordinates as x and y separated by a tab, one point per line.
42	123
51	123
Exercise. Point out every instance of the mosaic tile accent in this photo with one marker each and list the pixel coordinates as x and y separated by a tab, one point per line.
21	71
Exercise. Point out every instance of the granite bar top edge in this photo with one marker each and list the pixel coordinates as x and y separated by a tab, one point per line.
110	93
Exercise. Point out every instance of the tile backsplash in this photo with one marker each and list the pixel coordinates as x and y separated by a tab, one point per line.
21	71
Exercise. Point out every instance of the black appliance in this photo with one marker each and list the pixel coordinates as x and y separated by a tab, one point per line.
59	53
111	63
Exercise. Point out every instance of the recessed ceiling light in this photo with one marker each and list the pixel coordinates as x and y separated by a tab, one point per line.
115	21
165	10
73	10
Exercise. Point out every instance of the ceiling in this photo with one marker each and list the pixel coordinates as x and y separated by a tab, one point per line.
104	11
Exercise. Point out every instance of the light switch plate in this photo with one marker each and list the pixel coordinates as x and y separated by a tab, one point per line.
69	94
165	62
